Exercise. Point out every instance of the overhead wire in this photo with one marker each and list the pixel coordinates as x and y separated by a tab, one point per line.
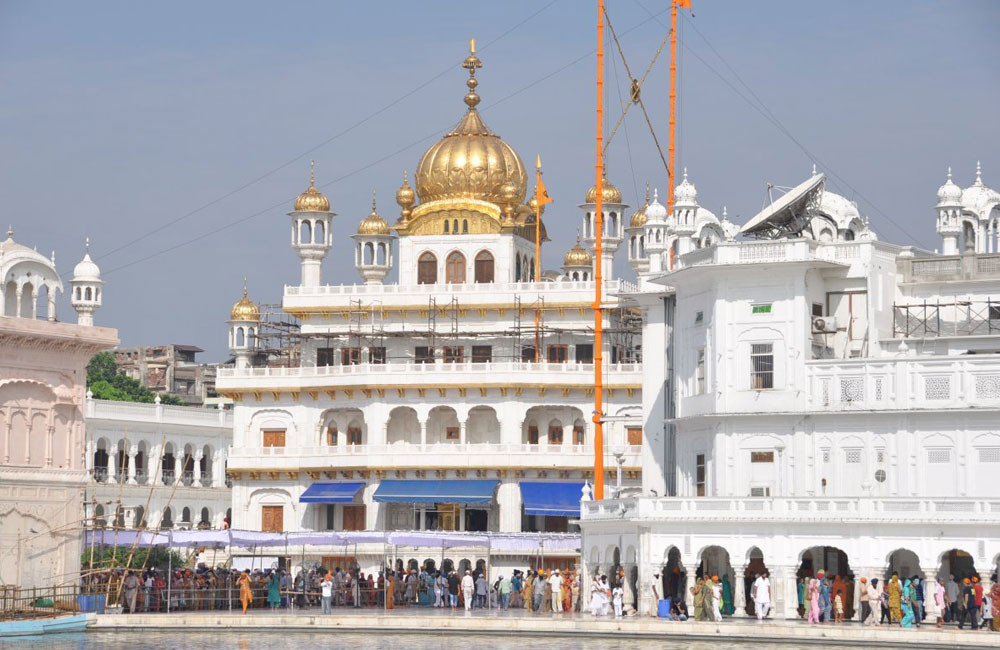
766	113
322	143
358	170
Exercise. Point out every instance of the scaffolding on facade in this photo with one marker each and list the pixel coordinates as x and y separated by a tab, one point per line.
938	319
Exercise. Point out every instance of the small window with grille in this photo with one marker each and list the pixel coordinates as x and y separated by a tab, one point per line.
761	366
852	456
989	454
939	455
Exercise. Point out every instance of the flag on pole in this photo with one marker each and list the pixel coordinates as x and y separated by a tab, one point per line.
684	3
540	192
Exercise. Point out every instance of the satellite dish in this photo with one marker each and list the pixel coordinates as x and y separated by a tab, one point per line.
790	214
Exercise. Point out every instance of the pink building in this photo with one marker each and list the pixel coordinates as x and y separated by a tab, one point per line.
42	397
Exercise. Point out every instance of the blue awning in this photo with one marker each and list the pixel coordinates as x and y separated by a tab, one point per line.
551	499
420	491
330	493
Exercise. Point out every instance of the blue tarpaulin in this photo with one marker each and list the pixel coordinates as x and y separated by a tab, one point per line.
551	499
330	493
444	491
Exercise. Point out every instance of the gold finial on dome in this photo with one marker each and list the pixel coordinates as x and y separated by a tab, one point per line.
373	224
578	255
245	309
609	193
472	63
405	198
312	200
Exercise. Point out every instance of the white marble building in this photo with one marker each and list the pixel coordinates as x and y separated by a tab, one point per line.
823	400
157	466
42	384
440	381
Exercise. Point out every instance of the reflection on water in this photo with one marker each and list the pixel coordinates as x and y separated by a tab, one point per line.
335	640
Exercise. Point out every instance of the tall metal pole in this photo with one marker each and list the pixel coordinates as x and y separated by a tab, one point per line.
673	114
538	249
598	263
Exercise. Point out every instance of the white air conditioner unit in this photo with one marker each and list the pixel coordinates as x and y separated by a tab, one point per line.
824	324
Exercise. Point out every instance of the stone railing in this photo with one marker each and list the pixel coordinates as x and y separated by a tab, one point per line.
904	383
792	509
970	266
98	409
418	374
484	288
409	455
771	251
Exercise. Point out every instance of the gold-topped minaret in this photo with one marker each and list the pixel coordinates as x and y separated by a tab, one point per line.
312	200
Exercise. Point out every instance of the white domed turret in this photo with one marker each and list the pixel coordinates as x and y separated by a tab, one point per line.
87	293
636	230
949	215
685	214
244	326
26	275
311	230
980	205
658	233
613	231
373	249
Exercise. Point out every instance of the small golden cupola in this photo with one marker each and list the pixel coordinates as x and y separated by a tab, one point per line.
373	224
245	310
470	175
578	255
312	200
638	219
609	193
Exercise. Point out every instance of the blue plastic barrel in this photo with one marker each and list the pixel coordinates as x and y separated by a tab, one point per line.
663	608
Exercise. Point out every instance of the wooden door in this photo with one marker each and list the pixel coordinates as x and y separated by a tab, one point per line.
274	438
634	436
272	519
354	517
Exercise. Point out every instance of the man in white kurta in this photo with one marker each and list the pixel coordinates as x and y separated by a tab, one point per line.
762	595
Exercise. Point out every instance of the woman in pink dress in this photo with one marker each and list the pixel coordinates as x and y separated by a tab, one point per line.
813	595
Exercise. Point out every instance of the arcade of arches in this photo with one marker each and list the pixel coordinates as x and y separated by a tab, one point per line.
678	574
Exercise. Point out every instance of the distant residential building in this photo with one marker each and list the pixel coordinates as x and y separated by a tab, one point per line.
170	369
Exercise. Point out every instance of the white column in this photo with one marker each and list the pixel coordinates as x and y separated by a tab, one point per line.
423	436
628	598
568	434
197	469
51	310
462	435
153	465
739	592
688	586
218	468
132	451
509	503
113	464
786	596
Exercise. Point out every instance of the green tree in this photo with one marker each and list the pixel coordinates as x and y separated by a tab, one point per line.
157	557
106	381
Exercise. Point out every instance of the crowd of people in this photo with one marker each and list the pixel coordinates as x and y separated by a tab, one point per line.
822	599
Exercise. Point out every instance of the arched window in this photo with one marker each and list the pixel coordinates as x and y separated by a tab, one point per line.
369	256
455	268
427	269
848	235
319	231
465	226
186	515
88	294
305	232
517	268
331	435
454	226
484	266
446	226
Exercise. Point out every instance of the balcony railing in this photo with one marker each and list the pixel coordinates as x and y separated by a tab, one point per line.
100	474
484	288
792	509
616	373
399	454
904	383
168	476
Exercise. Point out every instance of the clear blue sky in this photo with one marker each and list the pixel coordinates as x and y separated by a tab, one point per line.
120	117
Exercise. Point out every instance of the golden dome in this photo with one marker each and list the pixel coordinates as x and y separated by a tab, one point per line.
312	200
405	196
245	309
373	224
609	193
471	162
578	255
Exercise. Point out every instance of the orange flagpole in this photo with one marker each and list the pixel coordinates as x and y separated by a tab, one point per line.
673	119
538	248
598	275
